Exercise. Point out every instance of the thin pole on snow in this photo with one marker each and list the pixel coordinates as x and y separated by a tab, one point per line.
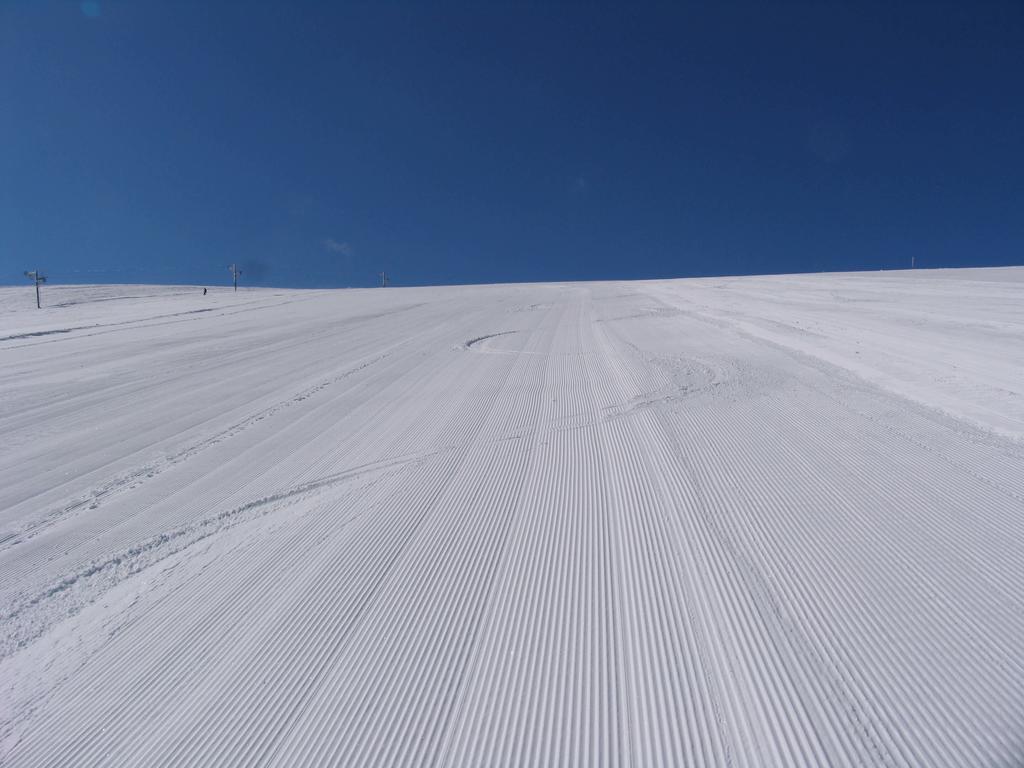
37	277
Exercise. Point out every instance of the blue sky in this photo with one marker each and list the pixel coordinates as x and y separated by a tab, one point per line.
316	144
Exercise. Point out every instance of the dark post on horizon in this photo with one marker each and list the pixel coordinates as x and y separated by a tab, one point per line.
38	278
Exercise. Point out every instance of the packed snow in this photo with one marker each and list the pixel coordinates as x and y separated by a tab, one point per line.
753	521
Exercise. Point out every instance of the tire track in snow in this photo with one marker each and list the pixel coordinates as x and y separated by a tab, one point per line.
27	620
732	462
133	478
373	551
260	417
785	569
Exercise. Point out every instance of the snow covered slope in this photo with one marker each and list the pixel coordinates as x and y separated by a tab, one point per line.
761	521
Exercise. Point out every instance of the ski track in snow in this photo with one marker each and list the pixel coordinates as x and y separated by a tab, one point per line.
763	521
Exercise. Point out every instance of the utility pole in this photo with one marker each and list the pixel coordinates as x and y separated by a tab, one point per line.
383	279
235	272
37	278
912	257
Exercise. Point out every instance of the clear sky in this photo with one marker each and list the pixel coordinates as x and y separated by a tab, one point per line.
316	144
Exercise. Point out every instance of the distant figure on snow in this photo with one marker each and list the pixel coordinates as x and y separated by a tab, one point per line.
204	291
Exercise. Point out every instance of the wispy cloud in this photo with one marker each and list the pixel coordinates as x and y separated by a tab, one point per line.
334	246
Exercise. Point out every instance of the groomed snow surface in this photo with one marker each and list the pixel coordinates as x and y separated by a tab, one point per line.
765	521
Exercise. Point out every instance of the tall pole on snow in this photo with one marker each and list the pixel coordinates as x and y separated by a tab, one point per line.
235	272
383	279
37	278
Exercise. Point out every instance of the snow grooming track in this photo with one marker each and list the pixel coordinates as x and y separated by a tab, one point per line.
98	576
744	522
134	478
